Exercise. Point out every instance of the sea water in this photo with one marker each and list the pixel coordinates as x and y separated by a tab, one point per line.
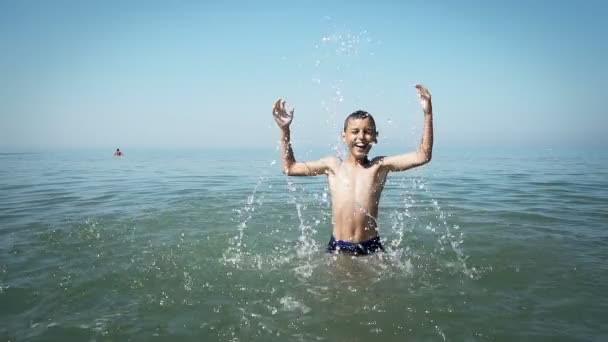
216	245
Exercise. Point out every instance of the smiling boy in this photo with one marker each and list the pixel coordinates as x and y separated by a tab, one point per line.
356	183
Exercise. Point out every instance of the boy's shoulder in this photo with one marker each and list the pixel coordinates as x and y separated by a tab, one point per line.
378	160
331	162
378	163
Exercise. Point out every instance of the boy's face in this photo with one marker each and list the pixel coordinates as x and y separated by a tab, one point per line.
359	137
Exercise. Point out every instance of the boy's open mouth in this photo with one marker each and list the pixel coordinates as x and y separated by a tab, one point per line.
361	146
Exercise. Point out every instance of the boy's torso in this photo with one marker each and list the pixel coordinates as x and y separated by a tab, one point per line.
355	193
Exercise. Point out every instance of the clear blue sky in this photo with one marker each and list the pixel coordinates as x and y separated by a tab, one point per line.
107	74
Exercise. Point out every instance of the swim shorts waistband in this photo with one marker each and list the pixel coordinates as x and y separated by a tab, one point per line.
356	248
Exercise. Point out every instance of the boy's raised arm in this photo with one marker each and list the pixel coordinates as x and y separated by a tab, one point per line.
289	164
425	150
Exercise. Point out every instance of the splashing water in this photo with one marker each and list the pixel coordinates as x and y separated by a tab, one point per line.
421	244
339	58
236	251
338	54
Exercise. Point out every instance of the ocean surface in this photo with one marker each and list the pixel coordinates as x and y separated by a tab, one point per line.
508	245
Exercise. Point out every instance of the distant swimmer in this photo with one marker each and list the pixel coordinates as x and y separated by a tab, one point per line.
117	153
356	182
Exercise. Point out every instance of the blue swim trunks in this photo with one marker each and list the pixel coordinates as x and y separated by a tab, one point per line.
356	248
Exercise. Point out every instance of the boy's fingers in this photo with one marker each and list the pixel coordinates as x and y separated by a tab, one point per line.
275	106
423	90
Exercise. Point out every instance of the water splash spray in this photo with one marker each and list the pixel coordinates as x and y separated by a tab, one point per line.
236	251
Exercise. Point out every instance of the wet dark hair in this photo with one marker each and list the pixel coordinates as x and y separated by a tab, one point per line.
360	114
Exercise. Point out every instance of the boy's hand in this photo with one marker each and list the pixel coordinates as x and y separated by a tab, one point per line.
425	99
281	115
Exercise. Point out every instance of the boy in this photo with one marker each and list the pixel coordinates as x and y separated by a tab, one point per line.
356	183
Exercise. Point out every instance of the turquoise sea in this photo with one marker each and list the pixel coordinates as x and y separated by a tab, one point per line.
495	245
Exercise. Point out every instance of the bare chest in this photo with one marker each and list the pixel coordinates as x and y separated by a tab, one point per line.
357	180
